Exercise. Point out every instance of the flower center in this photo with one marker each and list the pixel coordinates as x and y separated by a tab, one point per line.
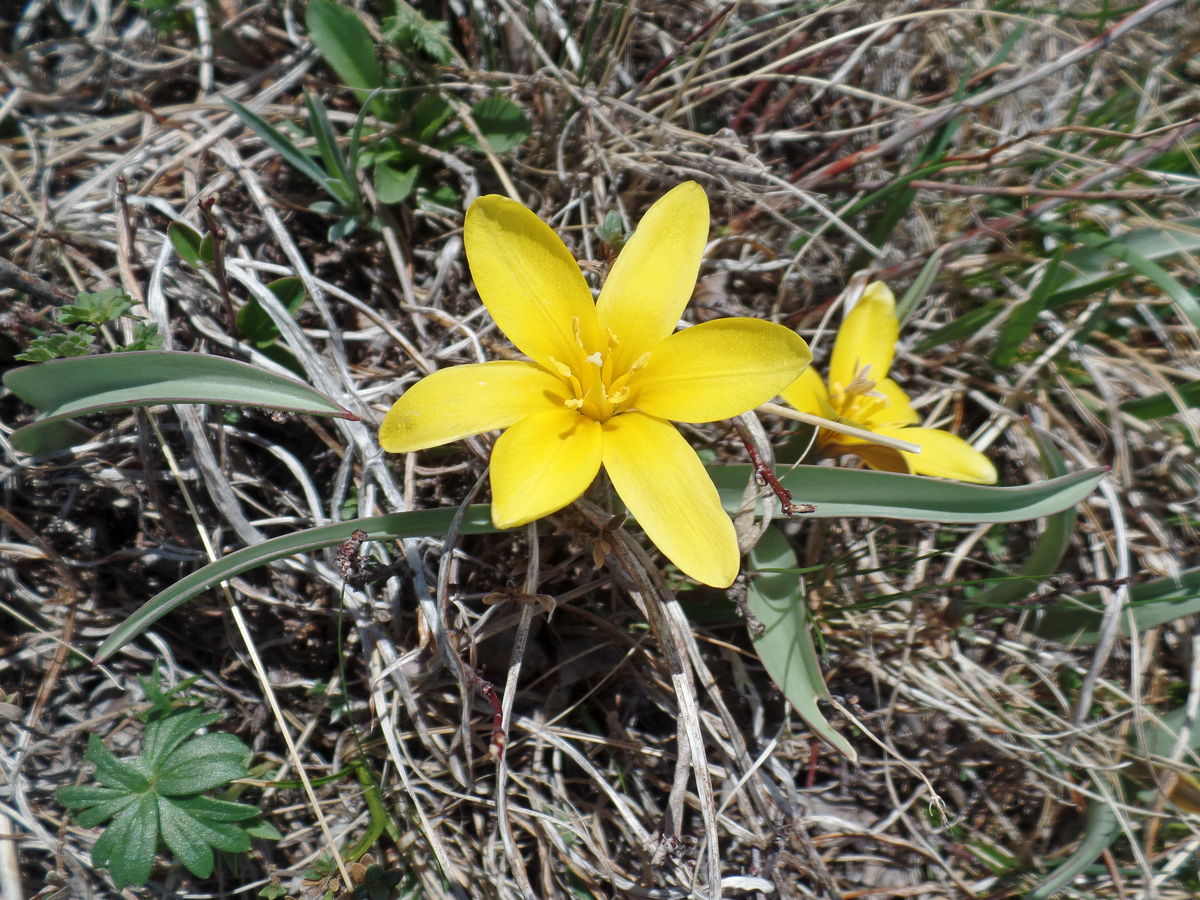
594	389
857	403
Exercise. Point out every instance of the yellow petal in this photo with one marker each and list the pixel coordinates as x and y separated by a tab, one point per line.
718	369
867	337
655	274
529	281
541	464
898	410
808	394
944	455
663	483
875	456
464	400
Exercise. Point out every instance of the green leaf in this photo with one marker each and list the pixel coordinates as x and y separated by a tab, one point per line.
345	43
785	645
186	241
253	322
184	839
66	388
417	523
101	812
45	347
96	309
412	32
501	122
393	184
840	492
76	795
127	846
281	144
429	115
145	337
213	810
1076	620
262	830
1184	397
162	737
113	772
203	763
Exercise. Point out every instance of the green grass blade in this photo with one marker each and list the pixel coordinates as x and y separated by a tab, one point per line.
282	144
1163	403
1127	252
1093	269
785	645
1076	620
331	153
1024	318
840	492
417	523
64	388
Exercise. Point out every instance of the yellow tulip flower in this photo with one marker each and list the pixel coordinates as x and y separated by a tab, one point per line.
603	378
860	394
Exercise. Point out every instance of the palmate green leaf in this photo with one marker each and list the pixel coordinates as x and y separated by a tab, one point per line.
785	645
399	525
213	810
66	388
203	763
839	492
112	772
127	846
164	735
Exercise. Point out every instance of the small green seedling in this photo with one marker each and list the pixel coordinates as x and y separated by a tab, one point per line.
160	798
83	319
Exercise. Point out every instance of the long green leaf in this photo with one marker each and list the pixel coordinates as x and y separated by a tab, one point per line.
840	493
784	644
1047	551
64	388
282	144
1076	620
399	525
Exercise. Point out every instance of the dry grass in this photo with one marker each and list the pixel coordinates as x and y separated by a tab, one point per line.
981	746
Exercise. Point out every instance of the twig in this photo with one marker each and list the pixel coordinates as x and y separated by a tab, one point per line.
20	280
